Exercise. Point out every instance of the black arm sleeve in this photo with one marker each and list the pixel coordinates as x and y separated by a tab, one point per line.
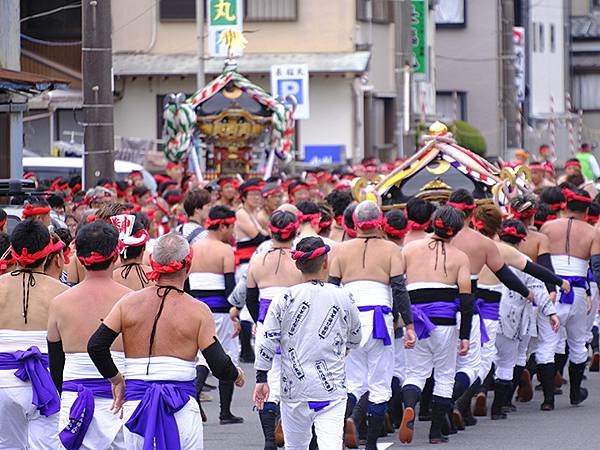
542	274
511	281
99	350
466	315
400	298
334	280
261	376
545	261
595	263
229	283
219	363
56	363
252	302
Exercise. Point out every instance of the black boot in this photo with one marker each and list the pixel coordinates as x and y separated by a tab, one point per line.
374	426
425	403
268	421
517	371
546	375
501	391
359	416
560	361
395	403
201	376
577	393
595	364
439	409
350	428
410	398
247	353
225	398
463	404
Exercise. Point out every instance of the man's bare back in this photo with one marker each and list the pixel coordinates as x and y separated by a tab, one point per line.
11	301
263	271
534	244
583	239
382	260
133	280
212	256
479	249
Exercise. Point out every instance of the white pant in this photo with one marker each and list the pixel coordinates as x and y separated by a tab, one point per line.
189	425
522	351
546	341
506	358
591	317
399	359
274	374
297	421
488	350
105	431
370	368
224	329
470	364
574	320
21	424
437	352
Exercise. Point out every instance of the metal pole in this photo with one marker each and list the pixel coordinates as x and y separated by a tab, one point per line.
98	134
508	73
402	58
200	77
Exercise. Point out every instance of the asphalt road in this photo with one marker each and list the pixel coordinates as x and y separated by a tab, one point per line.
566	427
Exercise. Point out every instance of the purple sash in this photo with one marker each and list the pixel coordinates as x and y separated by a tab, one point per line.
263	307
575	282
154	417
32	365
215	301
423	311
82	410
479	308
380	330
318	406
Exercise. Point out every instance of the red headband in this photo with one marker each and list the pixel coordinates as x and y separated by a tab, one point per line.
273	191
31	210
558	206
537	167
286	231
416	226
512	231
211	222
314	219
478	224
462	206
3	221
573	197
59	185
592	219
394	231
439	223
298	255
66	253
368	224
253	188
573	164
522	215
231	181
172	267
75	189
349	231
172	199
96	258
298	188
25	258
339	220
325	224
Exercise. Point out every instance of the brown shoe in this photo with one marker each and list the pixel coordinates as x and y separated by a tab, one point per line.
525	389
350	434
279	440
480	409
595	365
558	380
407	427
458	420
389	427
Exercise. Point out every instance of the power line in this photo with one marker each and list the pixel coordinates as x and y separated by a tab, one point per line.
49	43
52	11
136	17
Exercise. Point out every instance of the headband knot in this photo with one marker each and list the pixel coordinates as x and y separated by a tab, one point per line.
573	197
212	222
512	231
97	258
172	267
301	256
314	219
395	232
439	224
462	206
286	231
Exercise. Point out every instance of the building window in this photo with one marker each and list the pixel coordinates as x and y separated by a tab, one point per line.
178	9
450	14
378	11
594	5
552	38
534	40
451	105
541	37
271	10
586	92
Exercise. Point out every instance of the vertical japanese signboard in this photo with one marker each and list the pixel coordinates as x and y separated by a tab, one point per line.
222	15
419	38
519	50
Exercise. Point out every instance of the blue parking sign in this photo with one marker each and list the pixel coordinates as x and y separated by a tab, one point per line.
293	87
292	79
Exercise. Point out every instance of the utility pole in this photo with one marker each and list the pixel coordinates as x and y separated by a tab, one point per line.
11	125
98	134
402	75
200	76
509	96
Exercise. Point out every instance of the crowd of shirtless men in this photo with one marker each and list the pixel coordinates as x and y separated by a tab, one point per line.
116	304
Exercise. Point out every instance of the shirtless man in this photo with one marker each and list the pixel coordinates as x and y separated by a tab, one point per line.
269	275
573	244
339	201
369	266
249	234
229	192
72	318
437	274
211	281
163	329
298	191
37	209
310	218
314	322
30	408
132	271
395	226
272	194
55	262
418	213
